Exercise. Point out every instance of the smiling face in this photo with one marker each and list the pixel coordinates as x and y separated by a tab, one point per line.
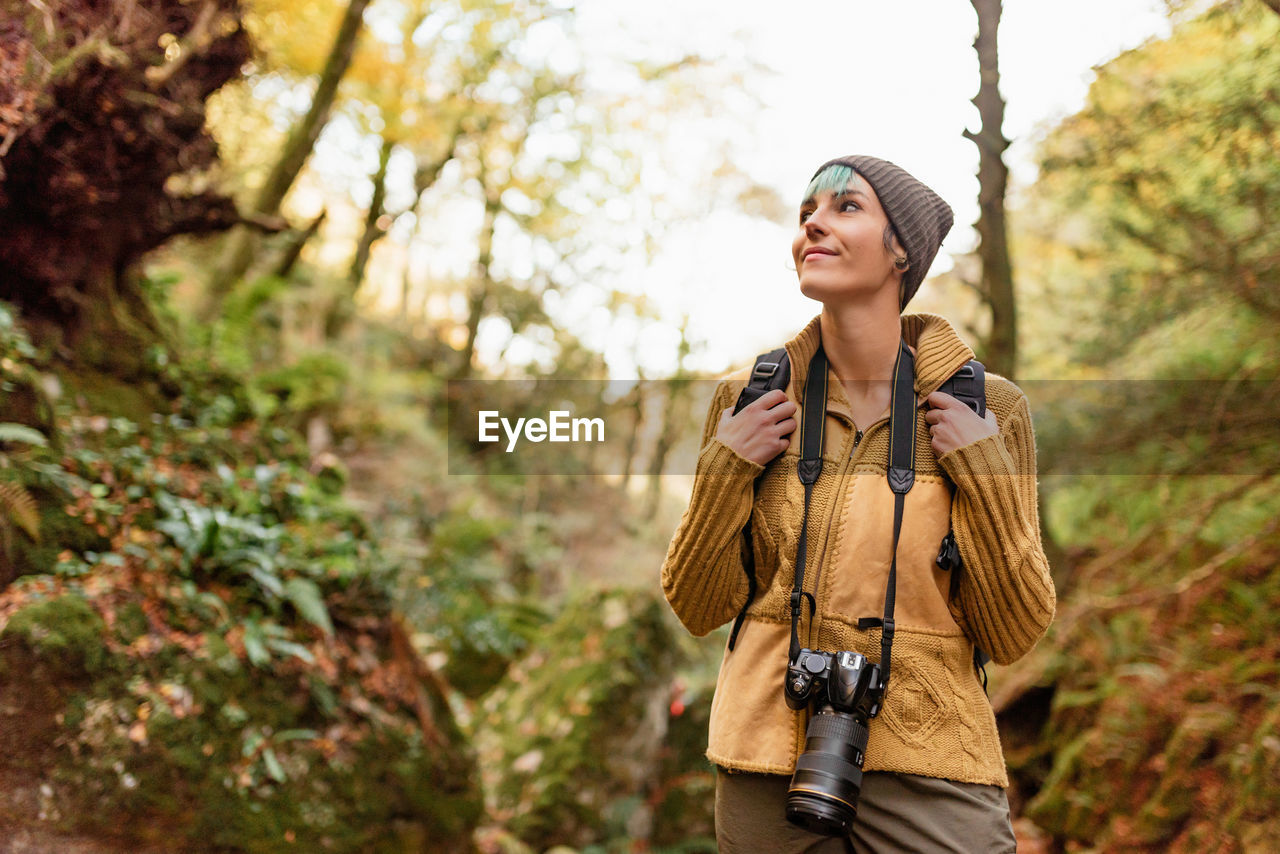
843	249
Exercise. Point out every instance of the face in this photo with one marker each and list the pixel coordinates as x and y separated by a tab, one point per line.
839	249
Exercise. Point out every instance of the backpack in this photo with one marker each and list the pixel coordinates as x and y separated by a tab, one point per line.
772	370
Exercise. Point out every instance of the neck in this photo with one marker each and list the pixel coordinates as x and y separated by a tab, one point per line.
861	342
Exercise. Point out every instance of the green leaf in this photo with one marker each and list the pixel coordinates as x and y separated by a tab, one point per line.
296	735
255	644
10	432
285	647
274	769
305	596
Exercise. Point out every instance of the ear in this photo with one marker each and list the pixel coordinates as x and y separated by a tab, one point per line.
898	251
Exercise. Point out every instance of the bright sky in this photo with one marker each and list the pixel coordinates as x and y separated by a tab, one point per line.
828	78
890	79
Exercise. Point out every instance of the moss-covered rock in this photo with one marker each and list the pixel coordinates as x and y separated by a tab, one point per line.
64	634
571	740
205	749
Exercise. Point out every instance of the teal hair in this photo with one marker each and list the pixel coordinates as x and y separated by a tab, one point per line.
834	178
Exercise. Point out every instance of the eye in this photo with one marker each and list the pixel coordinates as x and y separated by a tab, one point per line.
848	205
805	213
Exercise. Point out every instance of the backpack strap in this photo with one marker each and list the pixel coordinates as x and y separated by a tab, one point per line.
771	371
969	386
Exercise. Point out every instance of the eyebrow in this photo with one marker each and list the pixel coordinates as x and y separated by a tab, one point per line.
840	195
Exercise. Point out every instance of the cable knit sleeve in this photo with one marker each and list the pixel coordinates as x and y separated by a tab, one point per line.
702	576
1005	600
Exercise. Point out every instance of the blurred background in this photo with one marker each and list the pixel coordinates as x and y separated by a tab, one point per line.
261	590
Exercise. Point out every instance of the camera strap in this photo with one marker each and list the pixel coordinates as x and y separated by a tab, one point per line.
813	421
901	474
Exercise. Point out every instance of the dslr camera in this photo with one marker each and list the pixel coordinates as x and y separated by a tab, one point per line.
845	689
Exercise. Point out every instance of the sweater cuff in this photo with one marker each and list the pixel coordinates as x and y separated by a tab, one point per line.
719	461
987	475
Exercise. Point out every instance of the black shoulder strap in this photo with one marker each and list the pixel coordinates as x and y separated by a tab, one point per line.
812	428
771	371
969	386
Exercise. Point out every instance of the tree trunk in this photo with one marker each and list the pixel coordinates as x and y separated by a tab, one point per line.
297	243
342	309
297	148
480	288
635	403
672	419
424	178
372	229
1000	351
90	134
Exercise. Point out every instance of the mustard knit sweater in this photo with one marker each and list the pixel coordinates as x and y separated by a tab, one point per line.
936	719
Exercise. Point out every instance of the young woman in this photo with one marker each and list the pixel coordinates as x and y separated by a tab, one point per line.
934	771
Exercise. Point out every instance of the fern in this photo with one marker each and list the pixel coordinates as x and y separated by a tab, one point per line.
18	507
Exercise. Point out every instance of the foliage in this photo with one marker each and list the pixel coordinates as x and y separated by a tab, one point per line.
226	644
566	739
1145	721
1163	189
18	381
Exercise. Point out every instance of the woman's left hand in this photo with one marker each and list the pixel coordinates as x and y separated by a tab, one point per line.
954	425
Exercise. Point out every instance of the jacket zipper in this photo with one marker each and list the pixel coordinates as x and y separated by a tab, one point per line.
815	624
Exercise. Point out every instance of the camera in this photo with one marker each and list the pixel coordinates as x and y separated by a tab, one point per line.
845	689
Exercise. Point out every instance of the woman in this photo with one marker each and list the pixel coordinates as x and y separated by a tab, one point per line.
934	772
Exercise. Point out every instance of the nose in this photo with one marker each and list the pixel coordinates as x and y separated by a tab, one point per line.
815	225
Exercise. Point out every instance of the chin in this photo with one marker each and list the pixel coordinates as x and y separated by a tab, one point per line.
815	291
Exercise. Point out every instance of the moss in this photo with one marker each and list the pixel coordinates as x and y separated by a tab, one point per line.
65	633
58	532
131	622
578	724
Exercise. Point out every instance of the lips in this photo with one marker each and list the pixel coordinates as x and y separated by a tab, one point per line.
815	250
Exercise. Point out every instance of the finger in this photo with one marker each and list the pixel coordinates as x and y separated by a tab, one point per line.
942	400
780	412
770	399
787	425
933	416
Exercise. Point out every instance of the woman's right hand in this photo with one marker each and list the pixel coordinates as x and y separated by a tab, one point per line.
762	430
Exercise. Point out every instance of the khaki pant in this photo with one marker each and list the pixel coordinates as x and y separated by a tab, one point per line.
896	812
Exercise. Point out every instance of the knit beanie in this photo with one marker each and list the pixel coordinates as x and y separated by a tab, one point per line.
919	215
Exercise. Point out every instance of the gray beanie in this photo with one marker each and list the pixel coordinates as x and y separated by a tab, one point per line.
919	215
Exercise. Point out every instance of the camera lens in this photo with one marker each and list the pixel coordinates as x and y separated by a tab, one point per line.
823	797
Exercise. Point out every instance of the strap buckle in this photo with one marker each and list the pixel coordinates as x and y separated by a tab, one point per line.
764	370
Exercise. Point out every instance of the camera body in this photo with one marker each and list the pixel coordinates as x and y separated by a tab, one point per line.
844	680
846	690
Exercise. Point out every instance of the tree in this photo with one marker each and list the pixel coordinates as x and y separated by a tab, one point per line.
102	141
1000	349
1165	187
1150	240
297	148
